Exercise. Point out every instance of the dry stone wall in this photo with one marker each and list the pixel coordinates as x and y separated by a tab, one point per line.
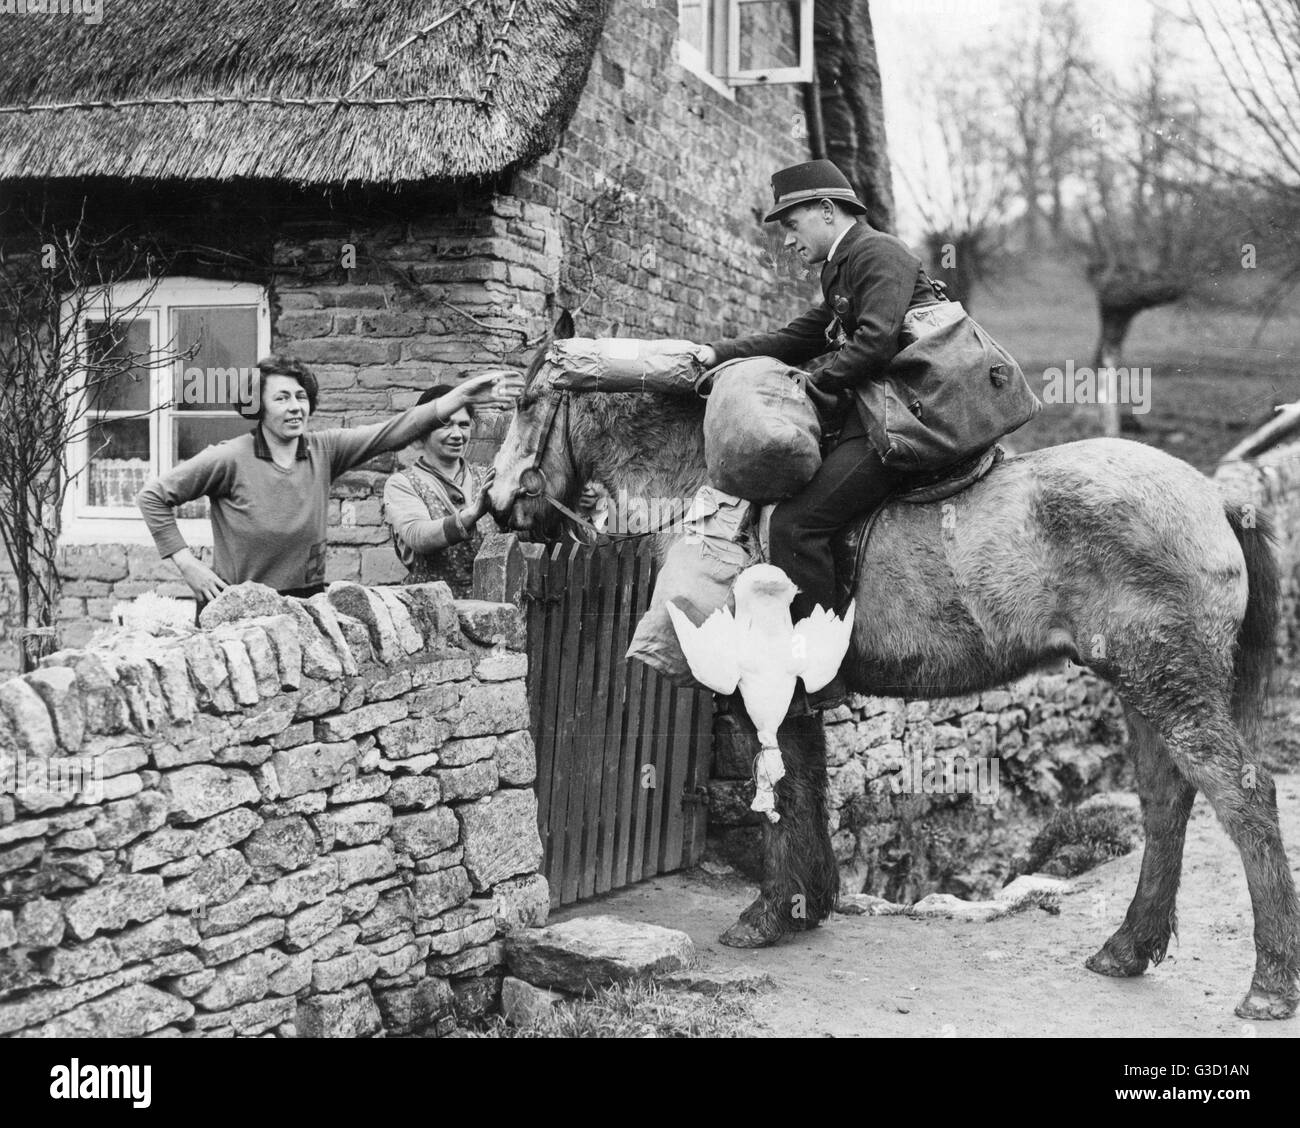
308	818
937	795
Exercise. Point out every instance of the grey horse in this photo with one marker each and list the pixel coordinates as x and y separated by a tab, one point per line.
1122	558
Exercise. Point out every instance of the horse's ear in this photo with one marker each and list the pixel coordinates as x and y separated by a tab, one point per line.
564	328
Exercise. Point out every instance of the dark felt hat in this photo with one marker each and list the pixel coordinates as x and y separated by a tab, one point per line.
807	183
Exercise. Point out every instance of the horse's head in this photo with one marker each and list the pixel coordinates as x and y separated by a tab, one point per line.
534	461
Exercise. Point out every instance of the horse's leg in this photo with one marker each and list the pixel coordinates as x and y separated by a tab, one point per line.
1166	804
1209	750
800	875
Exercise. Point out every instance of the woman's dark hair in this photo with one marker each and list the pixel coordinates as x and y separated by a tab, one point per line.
441	390
283	365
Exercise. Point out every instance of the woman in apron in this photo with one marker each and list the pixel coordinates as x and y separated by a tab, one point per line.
434	506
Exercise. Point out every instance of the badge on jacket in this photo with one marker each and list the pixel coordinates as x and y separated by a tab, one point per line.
836	338
840	302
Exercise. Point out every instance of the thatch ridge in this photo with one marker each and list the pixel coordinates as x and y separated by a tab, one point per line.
312	91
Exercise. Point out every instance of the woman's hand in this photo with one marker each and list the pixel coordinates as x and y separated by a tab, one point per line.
481	504
202	580
489	389
707	356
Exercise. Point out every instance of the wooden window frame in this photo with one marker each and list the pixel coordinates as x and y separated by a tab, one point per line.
718	64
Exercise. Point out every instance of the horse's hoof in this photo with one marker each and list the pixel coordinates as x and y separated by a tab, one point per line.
745	935
1105	962
1267	1005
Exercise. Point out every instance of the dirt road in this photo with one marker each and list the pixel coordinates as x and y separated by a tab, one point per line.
1022	976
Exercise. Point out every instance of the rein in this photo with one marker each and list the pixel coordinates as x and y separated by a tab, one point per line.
560	398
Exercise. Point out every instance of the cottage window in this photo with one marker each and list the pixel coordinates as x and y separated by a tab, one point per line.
732	43
151	417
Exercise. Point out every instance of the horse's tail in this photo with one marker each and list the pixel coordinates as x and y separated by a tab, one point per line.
1256	637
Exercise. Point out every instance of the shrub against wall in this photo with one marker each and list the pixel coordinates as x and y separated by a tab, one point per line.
310	818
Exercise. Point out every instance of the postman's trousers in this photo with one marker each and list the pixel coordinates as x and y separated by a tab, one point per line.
851	481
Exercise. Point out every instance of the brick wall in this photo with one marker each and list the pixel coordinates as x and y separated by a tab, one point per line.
669	179
308	819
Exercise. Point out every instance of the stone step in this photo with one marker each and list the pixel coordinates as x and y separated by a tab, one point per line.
592	952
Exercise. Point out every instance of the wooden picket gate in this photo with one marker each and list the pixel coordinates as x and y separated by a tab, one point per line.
622	754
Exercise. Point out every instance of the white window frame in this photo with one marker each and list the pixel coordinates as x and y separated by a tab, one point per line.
154	301
708	64
718	65
769	76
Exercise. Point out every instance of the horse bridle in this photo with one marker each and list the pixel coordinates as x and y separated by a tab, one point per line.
559	398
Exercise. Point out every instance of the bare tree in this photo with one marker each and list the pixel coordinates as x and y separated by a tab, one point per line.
1042	74
66	352
1152	210
961	189
1256	44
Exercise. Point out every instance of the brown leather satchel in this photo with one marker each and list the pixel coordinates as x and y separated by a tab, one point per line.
951	392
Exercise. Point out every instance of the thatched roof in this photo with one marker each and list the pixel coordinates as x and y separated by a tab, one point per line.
294	90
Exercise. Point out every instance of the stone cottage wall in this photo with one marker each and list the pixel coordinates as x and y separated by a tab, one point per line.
307	819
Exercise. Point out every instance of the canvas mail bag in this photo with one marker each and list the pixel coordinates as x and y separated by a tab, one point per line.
951	392
761	432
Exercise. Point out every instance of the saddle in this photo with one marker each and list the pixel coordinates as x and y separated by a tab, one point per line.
850	544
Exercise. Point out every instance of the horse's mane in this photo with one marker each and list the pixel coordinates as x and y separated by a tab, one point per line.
648	441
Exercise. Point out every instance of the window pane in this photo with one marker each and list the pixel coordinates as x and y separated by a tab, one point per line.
119	461
693	24
115	378
768	34
190	436
220	373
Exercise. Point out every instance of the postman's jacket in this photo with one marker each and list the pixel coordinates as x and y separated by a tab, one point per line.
868	284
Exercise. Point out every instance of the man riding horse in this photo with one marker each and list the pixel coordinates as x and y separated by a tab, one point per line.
869	281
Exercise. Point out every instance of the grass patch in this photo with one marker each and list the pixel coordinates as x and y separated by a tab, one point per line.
1074	841
1216	374
641	1010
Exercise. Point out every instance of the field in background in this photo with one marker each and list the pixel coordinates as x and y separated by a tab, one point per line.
1215	375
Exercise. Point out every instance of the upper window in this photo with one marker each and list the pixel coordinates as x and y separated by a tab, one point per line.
152	415
746	42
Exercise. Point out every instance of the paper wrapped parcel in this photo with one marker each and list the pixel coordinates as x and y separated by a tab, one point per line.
624	364
697	575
